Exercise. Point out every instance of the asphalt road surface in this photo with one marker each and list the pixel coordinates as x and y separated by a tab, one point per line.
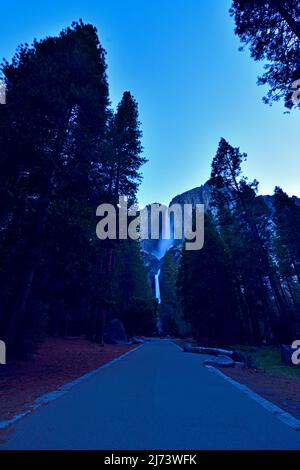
155	398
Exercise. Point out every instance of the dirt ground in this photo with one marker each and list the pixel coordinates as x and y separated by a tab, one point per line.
57	362
281	390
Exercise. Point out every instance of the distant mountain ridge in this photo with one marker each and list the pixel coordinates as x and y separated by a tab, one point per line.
199	195
202	195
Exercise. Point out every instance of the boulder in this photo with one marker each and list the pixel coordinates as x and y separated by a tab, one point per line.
238	357
115	333
136	341
188	347
220	361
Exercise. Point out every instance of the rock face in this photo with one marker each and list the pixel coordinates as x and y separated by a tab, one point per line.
151	262
200	195
203	195
158	248
115	333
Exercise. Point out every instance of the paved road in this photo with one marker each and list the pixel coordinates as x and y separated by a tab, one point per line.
154	398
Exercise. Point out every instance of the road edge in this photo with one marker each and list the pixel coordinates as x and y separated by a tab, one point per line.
284	416
55	394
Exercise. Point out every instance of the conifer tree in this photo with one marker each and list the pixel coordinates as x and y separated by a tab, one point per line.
61	148
170	312
227	177
127	159
271	29
207	293
287	219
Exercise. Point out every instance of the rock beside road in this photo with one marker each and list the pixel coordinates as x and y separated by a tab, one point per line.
136	341
224	357
220	361
234	355
188	347
115	333
287	352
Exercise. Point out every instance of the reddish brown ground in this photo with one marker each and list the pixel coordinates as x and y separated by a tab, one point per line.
282	390
58	361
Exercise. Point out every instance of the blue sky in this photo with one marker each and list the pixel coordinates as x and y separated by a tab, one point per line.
180	60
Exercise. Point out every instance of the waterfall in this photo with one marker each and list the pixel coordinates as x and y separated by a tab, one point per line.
157	287
159	247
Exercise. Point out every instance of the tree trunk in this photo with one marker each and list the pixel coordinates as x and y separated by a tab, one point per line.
293	24
19	313
290	289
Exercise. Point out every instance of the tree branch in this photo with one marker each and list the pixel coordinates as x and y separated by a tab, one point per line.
293	24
